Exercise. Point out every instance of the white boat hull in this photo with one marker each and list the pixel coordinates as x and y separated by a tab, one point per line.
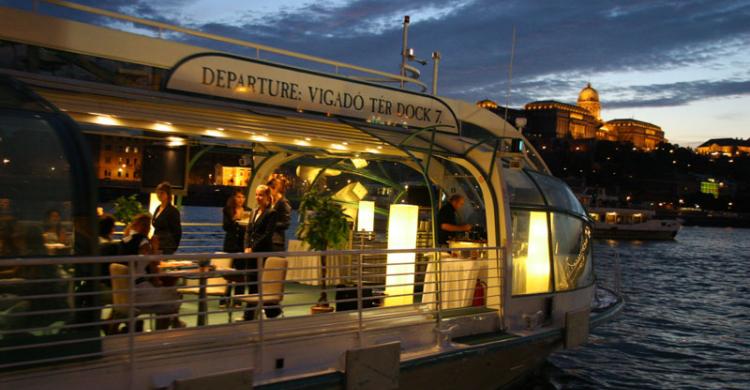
654	229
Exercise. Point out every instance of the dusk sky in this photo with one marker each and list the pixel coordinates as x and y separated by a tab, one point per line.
682	65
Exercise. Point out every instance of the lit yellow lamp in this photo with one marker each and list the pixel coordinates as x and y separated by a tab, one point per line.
537	260
366	216
402	234
359	163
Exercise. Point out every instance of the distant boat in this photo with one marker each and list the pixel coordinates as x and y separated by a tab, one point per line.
632	224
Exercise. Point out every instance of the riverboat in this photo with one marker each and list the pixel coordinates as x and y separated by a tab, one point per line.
632	224
81	104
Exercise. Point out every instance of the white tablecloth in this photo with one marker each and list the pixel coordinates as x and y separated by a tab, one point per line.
302	269
458	279
307	269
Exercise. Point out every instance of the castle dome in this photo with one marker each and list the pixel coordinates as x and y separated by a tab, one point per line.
588	94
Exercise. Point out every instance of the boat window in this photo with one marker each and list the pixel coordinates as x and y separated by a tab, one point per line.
35	197
571	248
521	190
35	221
558	194
531	265
457	180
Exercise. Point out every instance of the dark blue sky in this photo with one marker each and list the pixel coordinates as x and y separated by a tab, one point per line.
683	65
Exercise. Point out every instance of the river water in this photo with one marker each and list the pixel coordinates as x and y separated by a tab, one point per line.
686	324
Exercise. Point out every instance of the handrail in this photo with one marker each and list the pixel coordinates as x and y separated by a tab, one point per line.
359	271
65	307
258	47
203	256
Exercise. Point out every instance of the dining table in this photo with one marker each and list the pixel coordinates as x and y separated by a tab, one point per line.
191	270
458	277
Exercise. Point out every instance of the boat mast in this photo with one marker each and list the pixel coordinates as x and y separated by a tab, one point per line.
404	49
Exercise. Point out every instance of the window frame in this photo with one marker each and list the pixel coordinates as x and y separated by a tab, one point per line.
547	209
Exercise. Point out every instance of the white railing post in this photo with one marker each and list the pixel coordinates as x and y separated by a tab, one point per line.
359	294
131	320
259	312
438	292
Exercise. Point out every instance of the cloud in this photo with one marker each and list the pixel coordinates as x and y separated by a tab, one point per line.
559	45
675	94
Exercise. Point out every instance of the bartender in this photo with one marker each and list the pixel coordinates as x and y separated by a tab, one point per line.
448	221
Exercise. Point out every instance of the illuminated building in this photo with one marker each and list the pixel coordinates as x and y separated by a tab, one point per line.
642	135
552	119
589	99
548	119
120	159
725	147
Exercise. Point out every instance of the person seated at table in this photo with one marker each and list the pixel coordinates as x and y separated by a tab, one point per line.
27	241
448	226
259	238
54	233
107	245
150	289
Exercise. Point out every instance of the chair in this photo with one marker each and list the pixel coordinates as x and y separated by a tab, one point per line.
215	287
272	284
121	299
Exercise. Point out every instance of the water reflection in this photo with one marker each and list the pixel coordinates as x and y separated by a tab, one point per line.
686	323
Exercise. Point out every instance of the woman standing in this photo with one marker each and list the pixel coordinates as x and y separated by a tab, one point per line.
233	213
258	238
167	227
234	239
278	184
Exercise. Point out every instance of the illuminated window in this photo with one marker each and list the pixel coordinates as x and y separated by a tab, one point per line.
711	188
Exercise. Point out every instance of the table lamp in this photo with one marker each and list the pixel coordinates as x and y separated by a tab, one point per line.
402	234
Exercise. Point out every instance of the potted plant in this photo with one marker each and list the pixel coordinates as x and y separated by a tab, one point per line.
323	225
128	207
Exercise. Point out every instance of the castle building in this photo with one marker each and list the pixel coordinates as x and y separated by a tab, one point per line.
725	146
548	119
553	119
589	99
643	135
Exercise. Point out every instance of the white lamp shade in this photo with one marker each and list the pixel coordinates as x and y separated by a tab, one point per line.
537	259
402	234
366	216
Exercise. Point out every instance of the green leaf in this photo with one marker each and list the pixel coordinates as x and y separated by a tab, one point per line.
128	207
323	224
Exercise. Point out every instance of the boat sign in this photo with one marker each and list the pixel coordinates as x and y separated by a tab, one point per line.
254	81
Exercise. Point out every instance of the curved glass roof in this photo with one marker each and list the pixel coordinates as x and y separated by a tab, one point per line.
534	189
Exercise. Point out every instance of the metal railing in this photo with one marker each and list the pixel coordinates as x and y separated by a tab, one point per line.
608	280
70	308
259	48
